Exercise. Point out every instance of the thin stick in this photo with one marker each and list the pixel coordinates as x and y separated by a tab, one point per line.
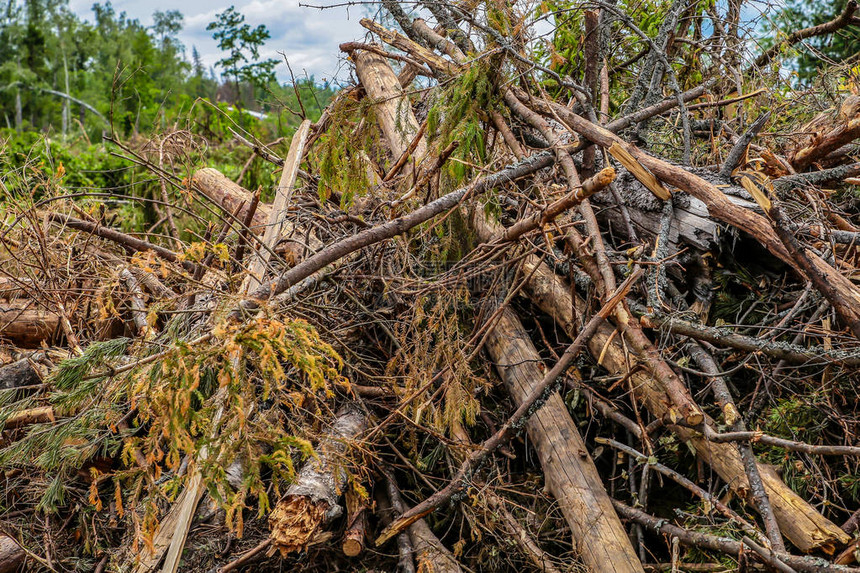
516	421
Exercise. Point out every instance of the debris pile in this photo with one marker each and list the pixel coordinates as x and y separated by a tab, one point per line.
498	314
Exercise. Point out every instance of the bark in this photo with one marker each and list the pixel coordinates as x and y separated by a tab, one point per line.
11	555
356	525
138	307
127	241
570	474
800	522
439	64
405	563
846	293
430	554
224	192
841	21
230	196
722	544
526	543
726	337
827	143
14	287
312	499
391	107
38	415
27	371
27	326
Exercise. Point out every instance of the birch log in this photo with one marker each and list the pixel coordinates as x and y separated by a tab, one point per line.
25	325
311	501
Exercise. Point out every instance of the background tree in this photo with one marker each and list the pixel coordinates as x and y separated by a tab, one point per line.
816	52
242	44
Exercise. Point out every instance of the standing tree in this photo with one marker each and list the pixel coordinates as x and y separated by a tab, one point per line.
242	45
815	52
165	26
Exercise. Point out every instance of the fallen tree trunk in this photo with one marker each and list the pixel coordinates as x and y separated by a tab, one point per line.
798	521
311	501
27	326
598	536
11	555
14	287
394	114
232	197
723	544
430	553
846	296
691	223
23	372
221	190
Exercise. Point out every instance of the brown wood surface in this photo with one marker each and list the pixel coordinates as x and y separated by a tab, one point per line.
391	107
571	477
26	325
798	520
11	555
223	191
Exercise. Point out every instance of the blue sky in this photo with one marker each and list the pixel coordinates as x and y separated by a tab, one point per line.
309	37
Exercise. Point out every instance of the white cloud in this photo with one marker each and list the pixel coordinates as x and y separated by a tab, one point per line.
309	37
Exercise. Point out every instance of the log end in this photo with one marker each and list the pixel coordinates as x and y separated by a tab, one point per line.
352	547
294	523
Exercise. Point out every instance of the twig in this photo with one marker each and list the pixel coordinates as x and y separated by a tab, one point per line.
506	431
387	230
841	21
733	159
724	545
246	556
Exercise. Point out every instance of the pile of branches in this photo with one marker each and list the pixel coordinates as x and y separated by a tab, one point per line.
491	319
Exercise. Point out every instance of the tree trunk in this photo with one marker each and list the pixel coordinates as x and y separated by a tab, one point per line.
799	522
11	555
598	535
22	372
25	325
311	500
224	192
392	108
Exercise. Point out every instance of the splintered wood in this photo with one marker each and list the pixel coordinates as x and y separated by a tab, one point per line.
495	310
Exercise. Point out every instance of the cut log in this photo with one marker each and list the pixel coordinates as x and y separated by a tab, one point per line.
224	192
430	554
311	501
230	196
691	224
11	555
394	114
807	529
26	325
570	474
38	415
278	222
27	371
14	287
356	524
